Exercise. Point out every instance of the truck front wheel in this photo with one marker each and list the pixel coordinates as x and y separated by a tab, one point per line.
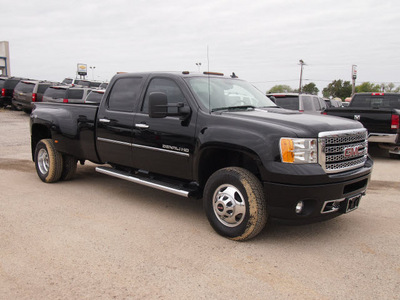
234	203
48	161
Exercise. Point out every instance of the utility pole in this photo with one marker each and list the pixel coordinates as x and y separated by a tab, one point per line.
302	63
354	77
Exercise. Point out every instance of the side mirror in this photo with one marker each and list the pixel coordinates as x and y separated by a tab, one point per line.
158	105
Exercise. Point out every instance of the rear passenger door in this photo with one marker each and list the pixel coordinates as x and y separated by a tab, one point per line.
164	145
115	121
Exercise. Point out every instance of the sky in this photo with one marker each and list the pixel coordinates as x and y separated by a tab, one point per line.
261	41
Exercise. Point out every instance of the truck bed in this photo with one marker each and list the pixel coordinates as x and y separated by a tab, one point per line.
75	137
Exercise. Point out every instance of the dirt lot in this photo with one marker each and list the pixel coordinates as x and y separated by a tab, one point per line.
97	237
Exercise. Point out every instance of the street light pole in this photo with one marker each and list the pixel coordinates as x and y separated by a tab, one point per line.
302	63
198	66
92	68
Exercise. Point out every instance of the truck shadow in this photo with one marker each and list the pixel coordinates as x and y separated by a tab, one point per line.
191	210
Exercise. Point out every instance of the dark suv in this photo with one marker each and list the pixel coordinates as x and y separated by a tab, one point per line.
28	91
7	90
301	102
66	94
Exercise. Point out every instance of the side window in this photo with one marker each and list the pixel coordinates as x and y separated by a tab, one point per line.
123	94
316	103
167	86
307	105
75	94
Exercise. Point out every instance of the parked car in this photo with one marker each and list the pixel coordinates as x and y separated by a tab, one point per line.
213	137
7	91
332	103
28	91
380	114
301	102
66	94
103	85
2	81
94	97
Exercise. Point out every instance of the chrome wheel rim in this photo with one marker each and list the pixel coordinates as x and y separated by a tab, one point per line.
229	205
43	161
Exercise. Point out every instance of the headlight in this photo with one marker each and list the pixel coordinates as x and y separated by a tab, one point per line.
299	151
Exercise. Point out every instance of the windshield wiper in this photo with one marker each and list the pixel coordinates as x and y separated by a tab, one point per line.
234	107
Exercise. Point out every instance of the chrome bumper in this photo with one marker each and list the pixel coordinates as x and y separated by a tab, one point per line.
383	138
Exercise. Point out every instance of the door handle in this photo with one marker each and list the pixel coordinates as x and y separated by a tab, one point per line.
142	126
104	120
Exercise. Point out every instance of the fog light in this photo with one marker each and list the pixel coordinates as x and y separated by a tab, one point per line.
299	207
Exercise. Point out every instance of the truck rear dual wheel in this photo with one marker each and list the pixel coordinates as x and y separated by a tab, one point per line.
235	204
51	165
48	161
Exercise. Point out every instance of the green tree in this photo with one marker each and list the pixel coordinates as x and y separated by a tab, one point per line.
389	87
368	87
338	88
280	88
310	88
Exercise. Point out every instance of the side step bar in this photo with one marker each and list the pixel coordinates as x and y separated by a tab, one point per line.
150	182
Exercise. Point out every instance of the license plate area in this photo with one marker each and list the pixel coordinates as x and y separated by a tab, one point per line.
352	203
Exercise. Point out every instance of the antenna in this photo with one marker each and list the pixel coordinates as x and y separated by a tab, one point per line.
208	74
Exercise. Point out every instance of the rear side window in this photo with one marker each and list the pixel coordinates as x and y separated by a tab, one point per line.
307	103
124	93
42	88
94	97
55	93
288	102
2	83
75	94
25	87
11	83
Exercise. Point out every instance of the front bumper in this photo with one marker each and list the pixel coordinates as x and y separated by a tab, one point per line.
283	198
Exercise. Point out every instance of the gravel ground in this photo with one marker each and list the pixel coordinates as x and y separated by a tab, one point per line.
97	237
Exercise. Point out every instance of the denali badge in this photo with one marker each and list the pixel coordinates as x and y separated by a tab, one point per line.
357	117
351	151
175	148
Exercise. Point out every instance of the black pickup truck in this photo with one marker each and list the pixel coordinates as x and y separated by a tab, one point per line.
209	136
379	113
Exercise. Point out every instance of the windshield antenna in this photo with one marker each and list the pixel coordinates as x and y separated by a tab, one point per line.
208	74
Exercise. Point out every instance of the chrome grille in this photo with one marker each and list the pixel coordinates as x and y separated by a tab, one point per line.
342	150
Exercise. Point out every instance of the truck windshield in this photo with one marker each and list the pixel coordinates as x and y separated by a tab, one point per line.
224	93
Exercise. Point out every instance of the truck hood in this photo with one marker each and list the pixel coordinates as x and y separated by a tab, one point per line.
300	124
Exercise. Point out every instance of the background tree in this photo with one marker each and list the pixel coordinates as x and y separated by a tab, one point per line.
368	87
280	88
310	88
389	87
338	88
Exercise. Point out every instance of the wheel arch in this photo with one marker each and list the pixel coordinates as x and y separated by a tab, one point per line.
215	157
38	132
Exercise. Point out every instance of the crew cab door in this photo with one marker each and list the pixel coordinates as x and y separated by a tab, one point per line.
164	145
115	121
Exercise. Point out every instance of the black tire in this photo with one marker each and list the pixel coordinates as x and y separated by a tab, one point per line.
48	161
235	204
69	167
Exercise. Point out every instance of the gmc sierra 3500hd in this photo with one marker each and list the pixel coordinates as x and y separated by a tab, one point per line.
209	136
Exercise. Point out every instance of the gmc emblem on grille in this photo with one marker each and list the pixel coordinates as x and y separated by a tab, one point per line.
351	151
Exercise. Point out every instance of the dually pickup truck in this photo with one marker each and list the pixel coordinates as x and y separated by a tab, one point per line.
379	113
211	137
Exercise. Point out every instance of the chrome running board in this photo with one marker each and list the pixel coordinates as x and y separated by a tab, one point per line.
150	182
